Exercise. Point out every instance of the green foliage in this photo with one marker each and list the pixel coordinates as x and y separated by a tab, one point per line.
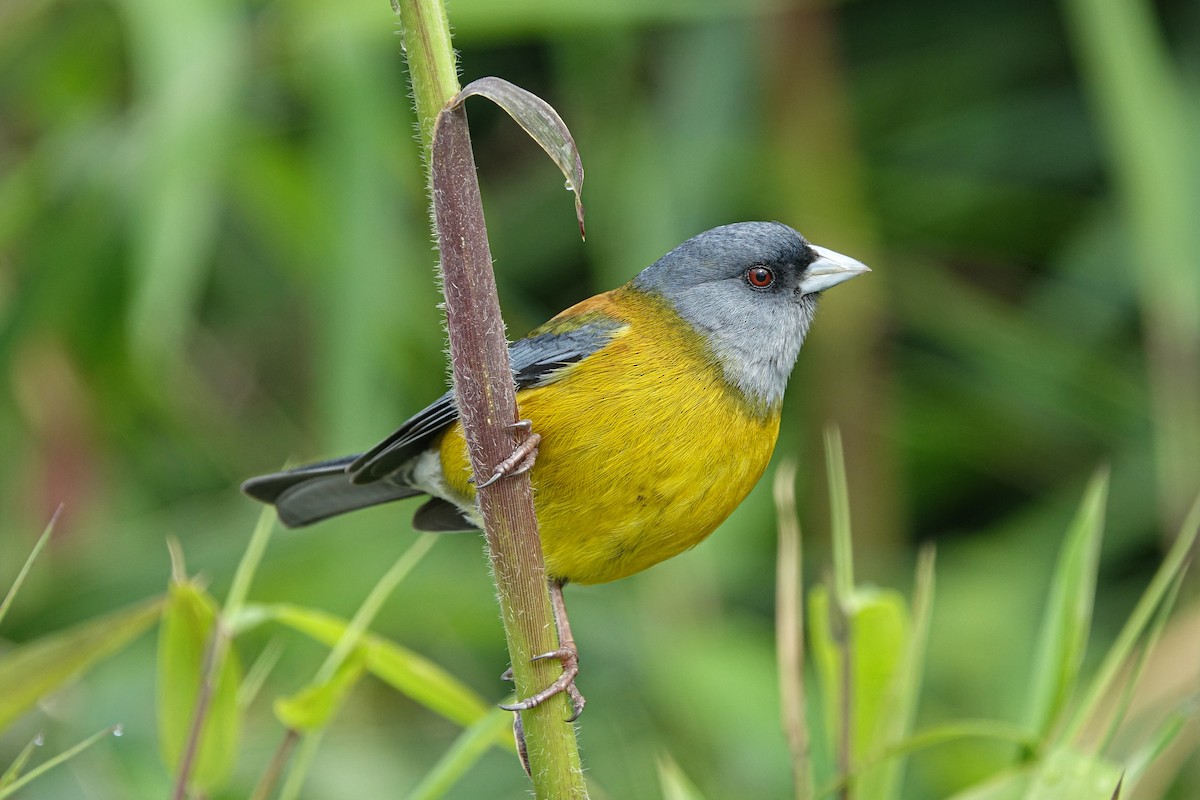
859	635
186	643
406	671
1068	616
314	706
33	670
14	781
675	784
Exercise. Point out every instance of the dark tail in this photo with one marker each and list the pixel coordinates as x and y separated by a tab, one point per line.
310	494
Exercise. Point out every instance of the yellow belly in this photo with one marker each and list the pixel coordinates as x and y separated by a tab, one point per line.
645	450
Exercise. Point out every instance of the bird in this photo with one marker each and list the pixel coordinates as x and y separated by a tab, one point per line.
651	412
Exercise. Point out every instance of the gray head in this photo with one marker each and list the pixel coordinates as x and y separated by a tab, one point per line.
751	290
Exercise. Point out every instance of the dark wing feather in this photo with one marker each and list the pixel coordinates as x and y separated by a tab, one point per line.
314	492
536	361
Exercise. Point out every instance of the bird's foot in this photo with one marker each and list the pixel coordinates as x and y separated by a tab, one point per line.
522	458
569	657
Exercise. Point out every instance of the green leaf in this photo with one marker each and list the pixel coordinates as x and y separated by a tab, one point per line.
541	122
1068	614
900	706
314	705
1069	774
876	637
467	749
20	579
674	783
1133	676
1008	785
839	513
407	672
61	758
37	668
184	644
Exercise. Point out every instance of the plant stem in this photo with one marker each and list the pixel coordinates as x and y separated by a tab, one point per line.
789	629
214	656
266	784
425	32
486	396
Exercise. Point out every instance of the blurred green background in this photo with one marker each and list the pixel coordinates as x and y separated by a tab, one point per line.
215	257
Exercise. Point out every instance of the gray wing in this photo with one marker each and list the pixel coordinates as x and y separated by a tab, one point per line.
536	361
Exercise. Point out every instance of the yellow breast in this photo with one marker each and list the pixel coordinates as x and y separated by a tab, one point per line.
646	448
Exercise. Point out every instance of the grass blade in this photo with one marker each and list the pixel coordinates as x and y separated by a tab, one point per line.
20	579
258	672
1162	738
1120	652
467	749
61	758
674	783
371	605
34	669
1147	649
248	565
839	513
1068	615
15	768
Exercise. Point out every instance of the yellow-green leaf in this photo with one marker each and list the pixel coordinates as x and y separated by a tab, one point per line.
406	671
1070	774
878	628
313	706
39	667
183	653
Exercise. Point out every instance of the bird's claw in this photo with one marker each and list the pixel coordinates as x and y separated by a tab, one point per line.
569	657
522	458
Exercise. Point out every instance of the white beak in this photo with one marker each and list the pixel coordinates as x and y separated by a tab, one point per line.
829	270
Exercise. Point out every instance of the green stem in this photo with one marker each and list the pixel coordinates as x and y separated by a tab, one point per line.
425	33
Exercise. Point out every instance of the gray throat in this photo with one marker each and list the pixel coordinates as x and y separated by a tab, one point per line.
757	355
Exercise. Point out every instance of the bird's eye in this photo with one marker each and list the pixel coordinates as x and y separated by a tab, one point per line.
760	277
